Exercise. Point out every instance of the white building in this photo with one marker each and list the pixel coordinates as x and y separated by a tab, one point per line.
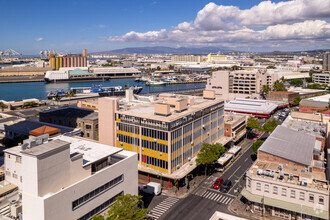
69	178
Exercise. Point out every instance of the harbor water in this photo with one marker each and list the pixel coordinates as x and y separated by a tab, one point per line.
40	90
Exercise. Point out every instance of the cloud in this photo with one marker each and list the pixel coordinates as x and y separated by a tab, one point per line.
268	24
39	39
101	26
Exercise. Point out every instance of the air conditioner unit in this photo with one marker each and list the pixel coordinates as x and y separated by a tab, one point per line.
189	159
142	149
303	182
280	166
260	172
310	169
121	143
290	176
155	140
177	166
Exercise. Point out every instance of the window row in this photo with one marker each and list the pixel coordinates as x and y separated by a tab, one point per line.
128	139
155	134
154	161
155	146
96	192
283	192
128	128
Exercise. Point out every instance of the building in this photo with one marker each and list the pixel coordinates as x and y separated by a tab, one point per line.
229	85
306	93
88	104
84	119
255	107
167	132
282	96
287	184
115	72
326	61
186	58
315	104
56	62
216	57
235	126
321	78
69	178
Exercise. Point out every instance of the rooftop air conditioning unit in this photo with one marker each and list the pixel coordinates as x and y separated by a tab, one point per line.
177	166
303	182
290	176
280	166
260	172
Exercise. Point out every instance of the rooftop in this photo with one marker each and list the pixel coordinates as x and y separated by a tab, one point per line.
44	130
233	118
302	91
70	112
285	143
251	106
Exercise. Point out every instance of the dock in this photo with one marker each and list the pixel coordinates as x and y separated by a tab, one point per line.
185	82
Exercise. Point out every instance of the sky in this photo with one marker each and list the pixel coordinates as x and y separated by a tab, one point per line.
98	25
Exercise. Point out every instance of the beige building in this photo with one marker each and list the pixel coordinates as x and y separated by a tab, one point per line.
68	178
229	85
216	57
235	126
186	59
167	132
288	184
321	78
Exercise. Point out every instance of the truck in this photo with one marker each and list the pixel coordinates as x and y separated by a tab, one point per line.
152	188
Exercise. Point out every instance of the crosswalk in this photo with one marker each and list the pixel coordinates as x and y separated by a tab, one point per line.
162	207
220	198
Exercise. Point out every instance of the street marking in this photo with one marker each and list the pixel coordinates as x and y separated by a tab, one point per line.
209	195
213	196
216	198
219	198
234	172
246	159
162	207
222	199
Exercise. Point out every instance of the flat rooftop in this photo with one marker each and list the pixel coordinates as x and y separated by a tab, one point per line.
322	98
302	91
233	118
251	106
147	109
70	112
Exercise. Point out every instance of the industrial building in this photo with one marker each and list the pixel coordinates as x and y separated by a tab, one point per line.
68	178
57	62
166	131
286	184
255	107
315	104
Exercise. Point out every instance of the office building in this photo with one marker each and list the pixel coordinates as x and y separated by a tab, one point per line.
216	57
229	85
84	119
288	184
321	78
69	178
186	59
166	131
326	61
235	126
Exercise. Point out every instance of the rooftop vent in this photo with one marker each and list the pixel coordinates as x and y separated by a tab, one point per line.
162	109
303	182
33	142
181	105
208	94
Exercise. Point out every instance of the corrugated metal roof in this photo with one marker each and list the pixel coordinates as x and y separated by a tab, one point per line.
290	144
78	72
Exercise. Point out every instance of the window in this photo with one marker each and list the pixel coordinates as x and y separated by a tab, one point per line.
18	159
87	134
283	192
15	175
302	196
266	188
311	198
293	194
88	127
249	183
321	200
8	173
8	156
258	186
275	189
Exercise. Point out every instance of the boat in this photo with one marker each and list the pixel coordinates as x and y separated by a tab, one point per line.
58	93
155	83
119	91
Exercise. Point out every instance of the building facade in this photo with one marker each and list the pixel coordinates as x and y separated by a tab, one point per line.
166	133
235	126
321	78
186	58
216	57
326	61
70	178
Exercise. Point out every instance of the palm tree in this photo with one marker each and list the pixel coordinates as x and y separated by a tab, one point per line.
3	106
57	98
71	93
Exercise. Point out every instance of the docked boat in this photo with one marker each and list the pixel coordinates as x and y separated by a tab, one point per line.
119	91
155	83
57	93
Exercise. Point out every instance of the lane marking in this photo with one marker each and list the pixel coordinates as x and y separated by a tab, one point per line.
235	172
219	198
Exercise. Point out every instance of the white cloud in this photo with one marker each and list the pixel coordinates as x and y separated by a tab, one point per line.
39	39
101	26
284	23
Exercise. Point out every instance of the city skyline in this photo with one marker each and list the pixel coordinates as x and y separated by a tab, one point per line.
68	26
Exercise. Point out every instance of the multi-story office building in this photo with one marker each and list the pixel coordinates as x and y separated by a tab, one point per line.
321	78
326	61
229	85
288	180
235	126
186	58
69	178
167	133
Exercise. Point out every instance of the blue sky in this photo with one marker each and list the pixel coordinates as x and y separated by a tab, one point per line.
70	26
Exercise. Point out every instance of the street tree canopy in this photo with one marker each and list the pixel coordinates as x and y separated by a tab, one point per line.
126	207
279	86
296	82
256	145
209	153
253	123
296	100
270	126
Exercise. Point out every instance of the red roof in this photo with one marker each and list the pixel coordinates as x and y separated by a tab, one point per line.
44	130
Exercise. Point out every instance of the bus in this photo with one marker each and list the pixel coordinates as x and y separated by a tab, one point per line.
223	162
235	151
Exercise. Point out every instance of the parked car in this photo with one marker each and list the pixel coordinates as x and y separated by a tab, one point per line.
152	188
217	183
225	186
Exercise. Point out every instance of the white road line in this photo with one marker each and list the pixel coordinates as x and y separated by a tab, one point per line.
213	196
223	199
153	216
246	159
219	198
162	207
206	194
159	209
228	201
157	214
216	198
235	172
172	198
167	203
209	195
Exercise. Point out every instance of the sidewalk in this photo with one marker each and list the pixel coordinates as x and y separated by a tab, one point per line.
183	192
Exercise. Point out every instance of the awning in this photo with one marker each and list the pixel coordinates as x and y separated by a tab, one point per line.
286	205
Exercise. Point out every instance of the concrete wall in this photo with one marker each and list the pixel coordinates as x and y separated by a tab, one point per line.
107	131
13	167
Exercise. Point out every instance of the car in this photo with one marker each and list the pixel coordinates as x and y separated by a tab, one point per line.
225	186
217	183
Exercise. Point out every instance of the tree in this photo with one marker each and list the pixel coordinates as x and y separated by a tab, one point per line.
256	145
235	67
296	100
158	67
209	153
296	82
171	67
3	106
71	94
309	79
311	72
253	123
126	207
265	89
279	86
314	86
57	98
270	126
271	67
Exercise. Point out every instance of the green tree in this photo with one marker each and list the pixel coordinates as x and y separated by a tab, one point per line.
126	207
279	86
71	94
296	82
209	153
171	67
57	98
256	145
235	67
311	72
271	67
309	79
125	86
158	67
314	86
3	106
270	126
253	123
296	100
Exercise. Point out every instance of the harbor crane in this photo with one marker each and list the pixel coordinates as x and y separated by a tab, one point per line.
9	53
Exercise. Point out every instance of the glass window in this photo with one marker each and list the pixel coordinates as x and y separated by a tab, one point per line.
293	193
283	192
311	198
321	200
258	186
275	189
267	188
249	183
302	195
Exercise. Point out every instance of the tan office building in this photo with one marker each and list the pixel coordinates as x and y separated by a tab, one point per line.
186	59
